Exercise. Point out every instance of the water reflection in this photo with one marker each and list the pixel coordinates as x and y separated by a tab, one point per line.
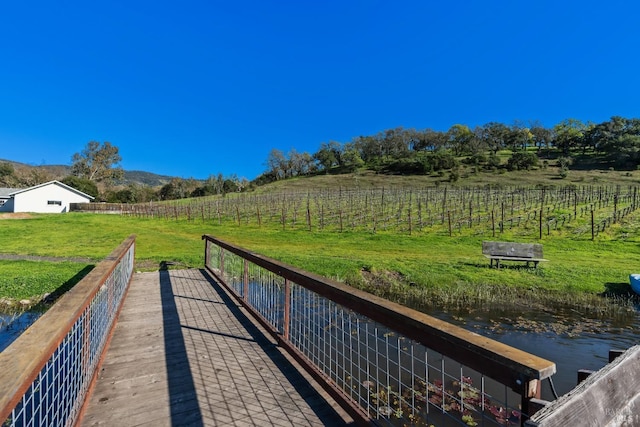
567	337
13	324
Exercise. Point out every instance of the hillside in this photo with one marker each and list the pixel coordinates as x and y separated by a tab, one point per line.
61	171
363	179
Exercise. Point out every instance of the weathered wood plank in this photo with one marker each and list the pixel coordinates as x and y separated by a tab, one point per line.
609	397
184	354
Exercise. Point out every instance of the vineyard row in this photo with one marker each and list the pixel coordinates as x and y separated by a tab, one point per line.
527	211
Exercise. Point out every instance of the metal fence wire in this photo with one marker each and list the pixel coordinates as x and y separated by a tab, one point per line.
56	395
396	380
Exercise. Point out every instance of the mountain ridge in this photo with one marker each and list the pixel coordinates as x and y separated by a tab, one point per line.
130	176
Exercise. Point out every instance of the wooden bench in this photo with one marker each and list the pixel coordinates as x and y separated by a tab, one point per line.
510	251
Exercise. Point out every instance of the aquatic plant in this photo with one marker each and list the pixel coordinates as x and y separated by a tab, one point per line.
459	399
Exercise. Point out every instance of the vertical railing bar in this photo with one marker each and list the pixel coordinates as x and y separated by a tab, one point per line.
426	364
352	367
346	369
377	352
442	370
287	308
413	381
483	392
461	388
366	336
388	368
399	372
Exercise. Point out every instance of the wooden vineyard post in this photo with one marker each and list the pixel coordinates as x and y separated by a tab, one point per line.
444	205
593	233
493	224
449	220
540	217
409	212
284	217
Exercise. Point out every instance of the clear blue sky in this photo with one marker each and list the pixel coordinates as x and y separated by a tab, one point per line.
195	88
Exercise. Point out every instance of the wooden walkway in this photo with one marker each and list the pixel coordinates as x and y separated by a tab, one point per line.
185	354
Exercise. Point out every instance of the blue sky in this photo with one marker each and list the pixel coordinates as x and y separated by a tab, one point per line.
197	88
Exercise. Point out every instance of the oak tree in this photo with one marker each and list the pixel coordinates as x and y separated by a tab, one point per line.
97	162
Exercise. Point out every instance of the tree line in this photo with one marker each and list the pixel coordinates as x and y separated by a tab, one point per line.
96	171
614	143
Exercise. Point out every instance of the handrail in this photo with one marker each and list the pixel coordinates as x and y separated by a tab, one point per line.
516	369
46	372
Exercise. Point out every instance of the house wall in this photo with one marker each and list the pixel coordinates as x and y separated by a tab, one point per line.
50	198
7	206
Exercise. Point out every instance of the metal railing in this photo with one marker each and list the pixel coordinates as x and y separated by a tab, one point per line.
45	374
385	363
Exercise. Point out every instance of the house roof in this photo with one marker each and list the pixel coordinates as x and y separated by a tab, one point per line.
23	190
5	193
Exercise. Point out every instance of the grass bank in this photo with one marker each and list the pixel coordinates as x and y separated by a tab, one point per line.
30	281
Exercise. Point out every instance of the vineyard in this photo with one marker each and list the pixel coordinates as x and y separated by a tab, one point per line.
533	212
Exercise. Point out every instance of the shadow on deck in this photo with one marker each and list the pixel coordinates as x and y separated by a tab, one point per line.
184	353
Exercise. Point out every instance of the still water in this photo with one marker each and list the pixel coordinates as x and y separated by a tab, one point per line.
570	339
13	324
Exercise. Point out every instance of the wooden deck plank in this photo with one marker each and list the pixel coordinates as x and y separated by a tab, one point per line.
183	353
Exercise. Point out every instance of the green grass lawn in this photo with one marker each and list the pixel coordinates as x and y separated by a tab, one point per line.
31	280
430	261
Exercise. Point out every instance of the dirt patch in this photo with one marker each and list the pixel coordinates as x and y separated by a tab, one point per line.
15	215
382	279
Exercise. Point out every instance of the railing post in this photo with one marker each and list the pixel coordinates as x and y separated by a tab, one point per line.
221	262
245	279
531	389
207	252
287	309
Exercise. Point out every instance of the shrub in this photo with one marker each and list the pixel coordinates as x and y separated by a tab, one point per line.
522	160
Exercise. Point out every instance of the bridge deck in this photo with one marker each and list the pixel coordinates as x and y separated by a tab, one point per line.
184	353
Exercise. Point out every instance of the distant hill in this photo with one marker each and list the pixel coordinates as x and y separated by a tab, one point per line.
130	177
146	178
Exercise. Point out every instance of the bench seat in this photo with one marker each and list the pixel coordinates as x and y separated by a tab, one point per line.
512	251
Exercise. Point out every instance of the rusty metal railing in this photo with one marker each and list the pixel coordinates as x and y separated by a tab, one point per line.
45	374
385	363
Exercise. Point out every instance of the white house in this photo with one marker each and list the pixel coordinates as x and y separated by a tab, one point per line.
50	197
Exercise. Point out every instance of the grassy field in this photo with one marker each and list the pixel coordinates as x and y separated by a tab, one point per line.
386	262
427	263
